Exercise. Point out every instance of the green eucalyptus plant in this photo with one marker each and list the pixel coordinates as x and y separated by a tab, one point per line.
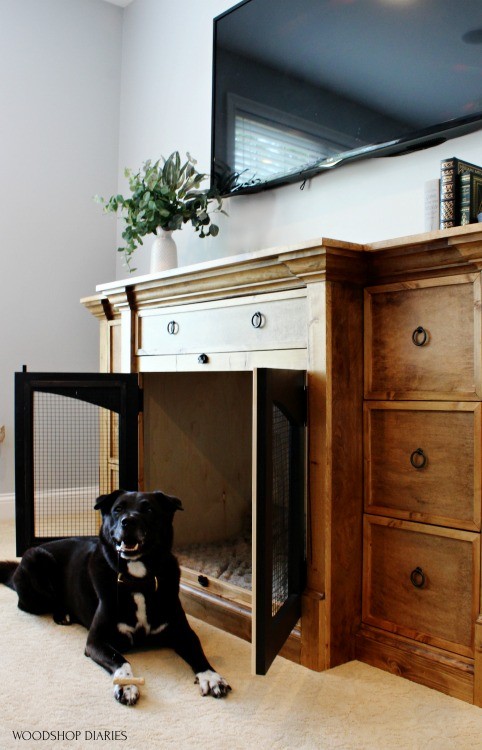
164	194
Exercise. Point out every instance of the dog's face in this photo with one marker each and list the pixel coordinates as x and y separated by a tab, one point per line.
137	523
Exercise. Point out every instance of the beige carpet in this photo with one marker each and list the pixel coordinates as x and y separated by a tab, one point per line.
48	686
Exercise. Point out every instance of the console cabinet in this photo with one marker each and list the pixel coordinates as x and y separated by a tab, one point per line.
389	335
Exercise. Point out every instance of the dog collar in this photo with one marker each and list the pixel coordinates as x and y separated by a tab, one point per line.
138	583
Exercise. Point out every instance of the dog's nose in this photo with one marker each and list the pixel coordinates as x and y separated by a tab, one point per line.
127	521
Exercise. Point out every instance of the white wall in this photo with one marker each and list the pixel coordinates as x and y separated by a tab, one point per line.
59	116
166	105
64	138
166	99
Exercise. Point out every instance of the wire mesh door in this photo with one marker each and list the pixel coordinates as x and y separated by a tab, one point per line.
280	407
76	438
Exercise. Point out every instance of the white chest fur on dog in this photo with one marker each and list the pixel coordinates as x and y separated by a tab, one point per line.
142	622
137	569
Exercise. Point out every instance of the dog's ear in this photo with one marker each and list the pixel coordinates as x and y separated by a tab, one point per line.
168	502
105	502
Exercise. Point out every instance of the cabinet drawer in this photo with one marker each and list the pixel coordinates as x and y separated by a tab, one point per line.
247	324
423	339
422	582
423	461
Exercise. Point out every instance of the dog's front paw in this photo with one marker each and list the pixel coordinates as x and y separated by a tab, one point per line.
126	694
211	683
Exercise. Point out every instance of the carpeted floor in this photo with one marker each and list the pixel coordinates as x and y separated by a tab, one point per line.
48	686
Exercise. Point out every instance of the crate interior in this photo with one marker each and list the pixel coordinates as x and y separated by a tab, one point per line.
198	446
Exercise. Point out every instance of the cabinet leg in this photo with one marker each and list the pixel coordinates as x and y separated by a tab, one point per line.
313	653
478	662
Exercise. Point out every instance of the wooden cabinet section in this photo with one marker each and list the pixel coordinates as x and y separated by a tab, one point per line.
422	339
197	337
253	323
422	582
422	458
423	461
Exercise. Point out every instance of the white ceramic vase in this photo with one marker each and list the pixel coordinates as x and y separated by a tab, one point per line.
163	251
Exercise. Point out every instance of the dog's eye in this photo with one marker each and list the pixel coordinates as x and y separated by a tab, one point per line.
146	508
117	509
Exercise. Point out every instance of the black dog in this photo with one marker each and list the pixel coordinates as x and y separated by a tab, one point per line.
123	586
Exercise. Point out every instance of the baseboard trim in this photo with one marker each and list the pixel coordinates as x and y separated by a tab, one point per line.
433	667
54	502
7	506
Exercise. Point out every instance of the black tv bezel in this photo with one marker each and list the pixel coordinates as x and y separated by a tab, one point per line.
434	135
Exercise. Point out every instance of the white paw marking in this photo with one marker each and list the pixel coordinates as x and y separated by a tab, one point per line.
127	630
142	622
127	694
124	671
211	683
158	630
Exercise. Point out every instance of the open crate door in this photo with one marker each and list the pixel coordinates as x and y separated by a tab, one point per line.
76	437
279	415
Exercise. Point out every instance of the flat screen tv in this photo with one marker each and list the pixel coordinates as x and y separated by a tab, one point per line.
303	86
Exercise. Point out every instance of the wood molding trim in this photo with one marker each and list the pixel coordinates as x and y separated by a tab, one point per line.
266	271
447	252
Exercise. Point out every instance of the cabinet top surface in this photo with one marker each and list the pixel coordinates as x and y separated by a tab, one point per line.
455	235
315	247
296	266
447	237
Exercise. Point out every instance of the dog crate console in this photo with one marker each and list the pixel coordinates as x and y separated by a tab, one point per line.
318	411
248	366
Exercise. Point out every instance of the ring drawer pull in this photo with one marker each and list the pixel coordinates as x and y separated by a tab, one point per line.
417	578
257	320
172	327
420	336
418	459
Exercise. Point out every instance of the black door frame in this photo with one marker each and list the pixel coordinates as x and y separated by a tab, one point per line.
117	392
286	390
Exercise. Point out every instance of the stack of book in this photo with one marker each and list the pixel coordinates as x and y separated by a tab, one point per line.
460	192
